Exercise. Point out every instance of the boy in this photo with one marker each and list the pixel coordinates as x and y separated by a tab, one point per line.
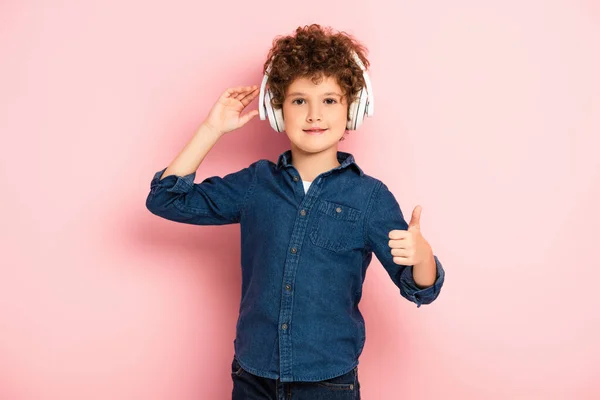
309	223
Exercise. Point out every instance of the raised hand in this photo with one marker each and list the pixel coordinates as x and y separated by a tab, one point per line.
225	116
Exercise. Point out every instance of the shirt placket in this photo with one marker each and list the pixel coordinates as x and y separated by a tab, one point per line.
289	273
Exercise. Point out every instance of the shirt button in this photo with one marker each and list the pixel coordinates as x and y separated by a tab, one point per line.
284	326
303	213
293	250
296	179
288	287
339	209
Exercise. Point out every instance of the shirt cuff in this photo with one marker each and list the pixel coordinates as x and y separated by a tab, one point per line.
422	295
173	183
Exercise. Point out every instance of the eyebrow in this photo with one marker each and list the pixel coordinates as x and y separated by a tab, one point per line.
324	94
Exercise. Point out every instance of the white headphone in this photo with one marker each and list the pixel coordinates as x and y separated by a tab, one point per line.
362	106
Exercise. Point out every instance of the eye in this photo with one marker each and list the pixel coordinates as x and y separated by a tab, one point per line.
329	100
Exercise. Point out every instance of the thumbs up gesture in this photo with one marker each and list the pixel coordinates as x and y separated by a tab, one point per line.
409	247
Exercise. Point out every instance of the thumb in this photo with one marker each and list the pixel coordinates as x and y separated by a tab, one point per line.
247	117
415	220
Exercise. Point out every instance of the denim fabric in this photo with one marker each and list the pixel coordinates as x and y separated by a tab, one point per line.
304	258
251	387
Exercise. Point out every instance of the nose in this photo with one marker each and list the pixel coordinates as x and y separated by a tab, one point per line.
314	114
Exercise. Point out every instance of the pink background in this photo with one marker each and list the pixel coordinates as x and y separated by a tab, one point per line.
487	114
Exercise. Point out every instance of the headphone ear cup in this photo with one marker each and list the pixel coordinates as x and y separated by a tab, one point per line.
351	115
275	115
278	113
356	112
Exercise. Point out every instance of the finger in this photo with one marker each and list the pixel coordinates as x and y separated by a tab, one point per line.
234	91
248	116
242	93
251	95
401	260
398	234
400	252
245	91
229	93
399	244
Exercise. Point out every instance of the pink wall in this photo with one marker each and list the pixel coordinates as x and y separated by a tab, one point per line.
487	111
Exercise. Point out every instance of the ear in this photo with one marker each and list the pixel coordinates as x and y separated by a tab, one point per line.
343	136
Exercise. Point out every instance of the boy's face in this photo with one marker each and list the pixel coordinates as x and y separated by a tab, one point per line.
307	106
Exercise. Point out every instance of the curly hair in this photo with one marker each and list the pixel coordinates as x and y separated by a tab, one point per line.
314	52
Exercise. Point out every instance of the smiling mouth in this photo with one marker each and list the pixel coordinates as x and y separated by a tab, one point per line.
314	131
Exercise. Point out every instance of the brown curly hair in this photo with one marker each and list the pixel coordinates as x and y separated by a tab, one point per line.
314	52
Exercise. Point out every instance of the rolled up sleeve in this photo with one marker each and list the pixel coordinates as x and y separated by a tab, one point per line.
384	215
214	201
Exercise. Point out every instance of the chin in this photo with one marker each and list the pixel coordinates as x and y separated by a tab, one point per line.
307	148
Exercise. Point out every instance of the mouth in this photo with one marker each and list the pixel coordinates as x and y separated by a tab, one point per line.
314	131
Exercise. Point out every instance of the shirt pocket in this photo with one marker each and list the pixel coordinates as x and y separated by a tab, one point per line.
335	226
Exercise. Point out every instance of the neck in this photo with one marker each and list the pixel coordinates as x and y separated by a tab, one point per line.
311	165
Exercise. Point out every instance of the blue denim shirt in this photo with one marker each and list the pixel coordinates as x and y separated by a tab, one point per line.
304	258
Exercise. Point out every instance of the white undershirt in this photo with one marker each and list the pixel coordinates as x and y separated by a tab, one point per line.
306	185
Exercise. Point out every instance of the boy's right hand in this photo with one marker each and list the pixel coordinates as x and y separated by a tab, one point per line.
225	115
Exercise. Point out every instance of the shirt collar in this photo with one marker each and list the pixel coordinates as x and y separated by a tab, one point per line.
345	159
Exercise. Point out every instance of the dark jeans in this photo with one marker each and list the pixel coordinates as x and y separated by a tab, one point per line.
251	387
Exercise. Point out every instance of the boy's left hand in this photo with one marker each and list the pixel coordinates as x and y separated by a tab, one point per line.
409	247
